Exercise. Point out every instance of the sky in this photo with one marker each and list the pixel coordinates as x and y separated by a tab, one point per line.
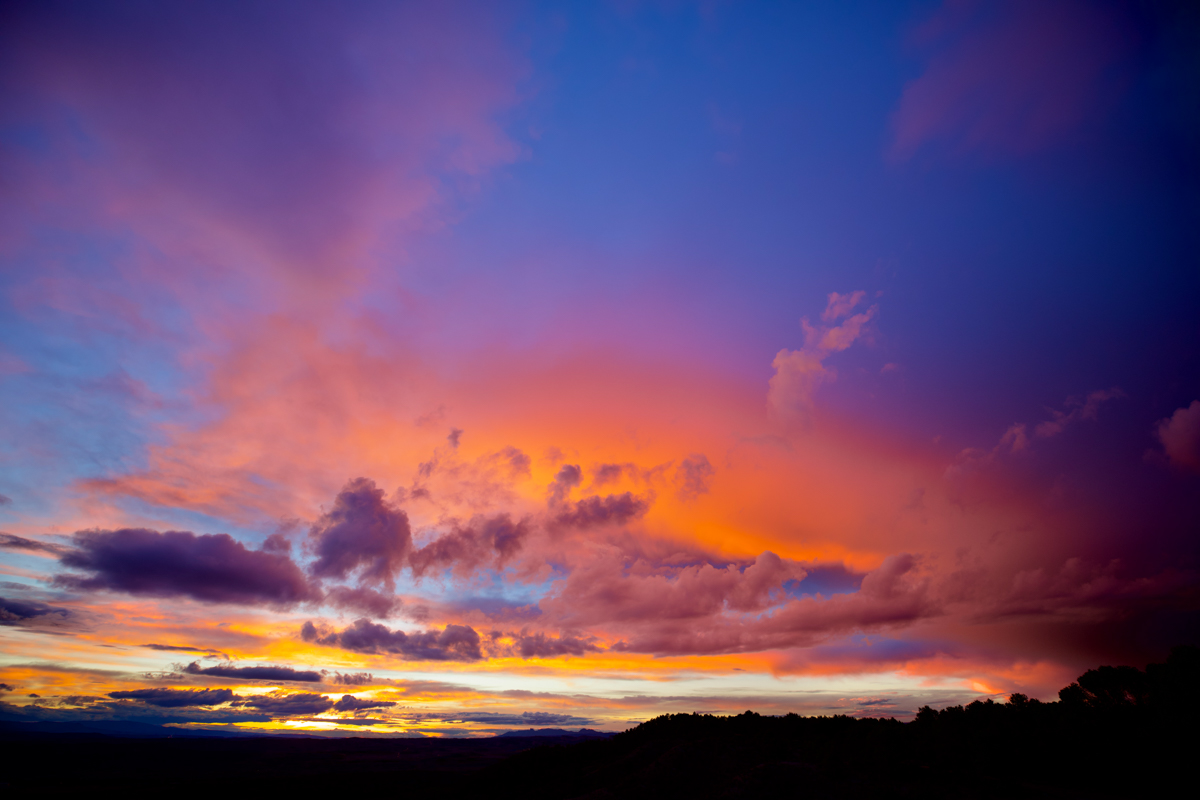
441	369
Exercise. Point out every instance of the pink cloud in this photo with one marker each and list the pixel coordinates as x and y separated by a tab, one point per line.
603	590
799	373
483	542
295	413
1180	437
1009	78
840	305
272	147
894	595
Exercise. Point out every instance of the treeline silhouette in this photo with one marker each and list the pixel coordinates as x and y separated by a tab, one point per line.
1115	732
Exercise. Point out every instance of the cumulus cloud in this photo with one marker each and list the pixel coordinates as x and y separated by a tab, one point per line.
269	673
517	463
692	475
212	568
567	478
176	698
284	704
1180	437
363	532
352	678
490	541
364	601
604	474
607	590
840	305
351	703
894	594
593	512
539	645
1081	592
799	373
453	643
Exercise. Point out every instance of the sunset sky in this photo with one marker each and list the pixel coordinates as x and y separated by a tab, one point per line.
448	368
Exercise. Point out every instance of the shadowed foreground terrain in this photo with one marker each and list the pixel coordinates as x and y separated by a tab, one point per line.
1116	732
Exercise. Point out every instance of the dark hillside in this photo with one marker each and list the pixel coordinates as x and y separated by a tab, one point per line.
1116	732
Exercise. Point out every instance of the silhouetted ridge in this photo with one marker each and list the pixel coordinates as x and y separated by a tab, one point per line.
553	733
1116	732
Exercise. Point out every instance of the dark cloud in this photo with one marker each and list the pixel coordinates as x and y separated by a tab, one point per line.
484	540
254	673
591	512
539	645
351	703
611	589
527	719
10	542
455	437
75	700
212	568
877	701
1079	591
311	633
282	704
454	643
5	500
896	594
121	711
176	698
691	476
4	687
603	474
21	612
172	648
277	543
567	478
364	601
518	462
362	531
351	678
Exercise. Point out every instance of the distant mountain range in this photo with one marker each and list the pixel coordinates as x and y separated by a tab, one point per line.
556	732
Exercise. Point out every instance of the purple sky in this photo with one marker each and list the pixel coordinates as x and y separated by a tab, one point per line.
570	363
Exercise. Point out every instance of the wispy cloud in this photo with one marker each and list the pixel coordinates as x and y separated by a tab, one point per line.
799	373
